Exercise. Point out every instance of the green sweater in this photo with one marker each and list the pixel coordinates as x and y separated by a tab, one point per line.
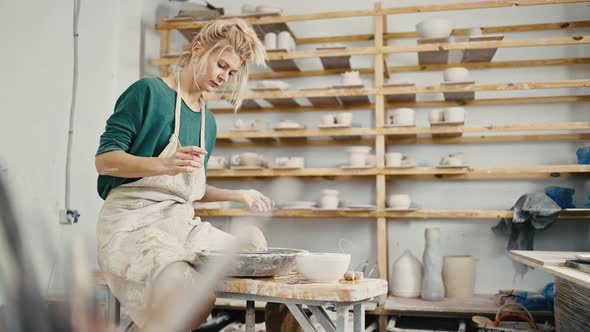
143	122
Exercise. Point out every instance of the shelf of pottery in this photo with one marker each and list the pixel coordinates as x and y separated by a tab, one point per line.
370	149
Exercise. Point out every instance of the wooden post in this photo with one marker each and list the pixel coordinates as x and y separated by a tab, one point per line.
164	49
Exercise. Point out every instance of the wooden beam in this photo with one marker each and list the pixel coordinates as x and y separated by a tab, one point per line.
180	25
489	173
575	40
419	214
491	128
454	32
299	93
474	5
304	172
297	133
489	139
417	104
433	67
489	87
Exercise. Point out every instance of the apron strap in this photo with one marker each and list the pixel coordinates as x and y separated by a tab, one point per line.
177	108
177	113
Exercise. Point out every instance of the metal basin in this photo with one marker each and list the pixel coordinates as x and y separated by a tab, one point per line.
270	263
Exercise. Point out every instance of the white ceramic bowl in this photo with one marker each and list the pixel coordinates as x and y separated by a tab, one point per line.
322	267
456	74
434	28
359	149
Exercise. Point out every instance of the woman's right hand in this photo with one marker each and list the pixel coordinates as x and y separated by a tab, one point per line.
186	159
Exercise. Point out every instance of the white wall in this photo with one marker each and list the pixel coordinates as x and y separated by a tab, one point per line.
117	40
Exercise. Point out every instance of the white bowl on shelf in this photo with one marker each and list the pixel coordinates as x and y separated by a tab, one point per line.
456	74
434	28
322	267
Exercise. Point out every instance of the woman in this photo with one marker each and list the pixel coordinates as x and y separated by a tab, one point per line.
152	163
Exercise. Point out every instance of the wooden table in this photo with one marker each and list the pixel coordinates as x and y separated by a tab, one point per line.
295	292
552	262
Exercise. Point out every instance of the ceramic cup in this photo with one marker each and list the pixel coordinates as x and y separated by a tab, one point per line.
474	32
408	161
298	162
328	119
241	124
459	276
217	162
371	160
269	9
436	115
259	124
399	201
454	161
270	41
393	159
456	74
284	40
351	78
403	116
288	124
344	118
357	155
329	199
454	114
247	159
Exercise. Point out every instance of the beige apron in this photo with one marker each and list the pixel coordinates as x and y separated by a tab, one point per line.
148	224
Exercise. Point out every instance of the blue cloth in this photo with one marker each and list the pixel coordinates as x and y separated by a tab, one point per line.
583	154
535	301
587	202
564	197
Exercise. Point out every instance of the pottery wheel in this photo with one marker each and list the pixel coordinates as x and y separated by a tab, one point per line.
269	263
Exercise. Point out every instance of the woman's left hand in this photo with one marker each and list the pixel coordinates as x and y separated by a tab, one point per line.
254	201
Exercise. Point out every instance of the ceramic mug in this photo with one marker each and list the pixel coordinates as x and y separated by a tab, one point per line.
371	160
329	199
399	201
328	119
436	115
456	74
351	78
459	276
454	161
393	159
270	41
248	159
284	40
404	116
217	162
454	114
344	118
357	156
474	32
298	162
240	124
408	161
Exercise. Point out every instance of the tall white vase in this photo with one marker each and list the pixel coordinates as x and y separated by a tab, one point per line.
433	288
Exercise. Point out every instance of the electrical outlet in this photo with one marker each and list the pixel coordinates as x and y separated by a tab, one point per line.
68	217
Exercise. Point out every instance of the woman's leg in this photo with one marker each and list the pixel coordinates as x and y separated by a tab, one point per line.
173	284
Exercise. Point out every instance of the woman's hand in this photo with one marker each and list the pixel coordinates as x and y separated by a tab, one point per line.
255	201
186	159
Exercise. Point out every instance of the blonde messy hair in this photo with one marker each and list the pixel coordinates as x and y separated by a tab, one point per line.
230	34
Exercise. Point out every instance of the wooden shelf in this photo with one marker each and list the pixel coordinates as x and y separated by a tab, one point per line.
489	173
418	104
432	67
172	25
478	304
304	172
344	132
442	47
491	128
418	214
507	172
288	213
416	140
